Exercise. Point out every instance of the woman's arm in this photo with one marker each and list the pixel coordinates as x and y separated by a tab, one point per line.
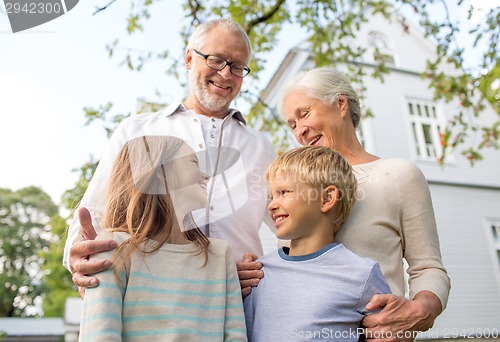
420	237
400	319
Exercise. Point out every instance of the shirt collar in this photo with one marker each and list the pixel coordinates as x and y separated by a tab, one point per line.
177	107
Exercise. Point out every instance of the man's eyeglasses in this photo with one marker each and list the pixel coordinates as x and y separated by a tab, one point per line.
217	63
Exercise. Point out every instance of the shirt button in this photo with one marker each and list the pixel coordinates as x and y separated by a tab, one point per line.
200	145
211	207
212	136
195	120
213	120
213	126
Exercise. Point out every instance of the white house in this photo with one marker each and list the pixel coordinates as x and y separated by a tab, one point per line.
53	329
17	329
466	199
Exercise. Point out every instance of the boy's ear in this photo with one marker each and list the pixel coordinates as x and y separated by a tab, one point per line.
330	197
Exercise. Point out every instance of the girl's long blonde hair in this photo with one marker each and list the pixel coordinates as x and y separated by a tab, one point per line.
138	199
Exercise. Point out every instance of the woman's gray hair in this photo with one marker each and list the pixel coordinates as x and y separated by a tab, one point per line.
325	84
197	39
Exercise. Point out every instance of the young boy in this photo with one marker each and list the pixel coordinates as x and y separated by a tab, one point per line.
316	289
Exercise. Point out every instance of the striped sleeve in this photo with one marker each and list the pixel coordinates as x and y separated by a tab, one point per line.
102	309
234	327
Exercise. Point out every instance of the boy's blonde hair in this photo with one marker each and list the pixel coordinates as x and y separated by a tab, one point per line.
319	167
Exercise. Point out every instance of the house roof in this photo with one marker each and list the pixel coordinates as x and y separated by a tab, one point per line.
32	326
411	30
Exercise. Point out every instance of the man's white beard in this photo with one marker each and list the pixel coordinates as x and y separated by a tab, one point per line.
212	102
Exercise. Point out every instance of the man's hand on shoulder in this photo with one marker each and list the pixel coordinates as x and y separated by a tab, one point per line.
249	272
83	247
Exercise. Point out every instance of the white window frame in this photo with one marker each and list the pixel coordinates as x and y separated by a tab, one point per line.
360	133
493	231
426	128
365	136
386	53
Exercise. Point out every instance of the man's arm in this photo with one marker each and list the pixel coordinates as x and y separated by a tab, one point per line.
84	246
82	231
249	273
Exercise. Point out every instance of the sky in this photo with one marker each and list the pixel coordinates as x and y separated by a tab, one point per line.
49	73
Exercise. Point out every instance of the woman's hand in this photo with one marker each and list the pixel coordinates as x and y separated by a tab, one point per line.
400	319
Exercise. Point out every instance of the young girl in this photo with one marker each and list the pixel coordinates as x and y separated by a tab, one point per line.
168	281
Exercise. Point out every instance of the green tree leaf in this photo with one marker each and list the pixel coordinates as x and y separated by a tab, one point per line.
24	234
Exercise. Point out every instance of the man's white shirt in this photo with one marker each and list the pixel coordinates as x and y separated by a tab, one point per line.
234	156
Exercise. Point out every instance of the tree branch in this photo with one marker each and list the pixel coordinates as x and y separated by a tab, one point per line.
99	9
450	25
194	8
264	17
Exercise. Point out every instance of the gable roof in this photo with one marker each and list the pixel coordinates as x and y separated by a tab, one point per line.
404	36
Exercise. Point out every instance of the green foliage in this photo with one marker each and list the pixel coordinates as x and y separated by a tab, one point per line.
73	196
24	233
101	114
108	122
333	27
57	284
489	85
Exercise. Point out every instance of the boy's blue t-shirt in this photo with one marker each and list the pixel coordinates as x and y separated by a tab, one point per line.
319	296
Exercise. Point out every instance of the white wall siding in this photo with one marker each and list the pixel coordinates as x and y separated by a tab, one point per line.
391	132
466	251
405	44
483	173
392	135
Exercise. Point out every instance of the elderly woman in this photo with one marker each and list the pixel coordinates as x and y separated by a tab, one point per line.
393	218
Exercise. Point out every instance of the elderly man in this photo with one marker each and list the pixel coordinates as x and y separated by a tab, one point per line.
233	155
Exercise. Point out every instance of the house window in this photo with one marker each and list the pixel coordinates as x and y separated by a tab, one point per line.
493	230
494	227
361	135
364	134
381	48
426	128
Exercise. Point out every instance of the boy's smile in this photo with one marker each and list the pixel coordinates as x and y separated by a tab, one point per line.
277	219
295	207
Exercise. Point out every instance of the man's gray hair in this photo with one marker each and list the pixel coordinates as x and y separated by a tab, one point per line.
198	37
